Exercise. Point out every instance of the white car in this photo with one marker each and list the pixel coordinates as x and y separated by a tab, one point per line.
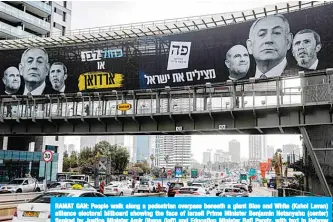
38	209
119	189
21	185
86	186
61	186
145	186
191	192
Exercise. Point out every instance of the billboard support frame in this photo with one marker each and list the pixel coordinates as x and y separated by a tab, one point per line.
166	27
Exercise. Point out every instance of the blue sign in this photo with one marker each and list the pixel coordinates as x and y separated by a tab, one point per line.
168	184
252	172
198	209
178	172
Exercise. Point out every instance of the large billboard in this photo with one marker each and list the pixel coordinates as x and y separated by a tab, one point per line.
277	45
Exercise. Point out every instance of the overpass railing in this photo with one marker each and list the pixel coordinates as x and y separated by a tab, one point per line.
300	90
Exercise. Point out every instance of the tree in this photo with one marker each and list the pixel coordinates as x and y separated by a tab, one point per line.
144	166
120	159
86	157
156	171
66	164
73	159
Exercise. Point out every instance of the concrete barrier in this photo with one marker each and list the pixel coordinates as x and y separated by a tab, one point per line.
17	197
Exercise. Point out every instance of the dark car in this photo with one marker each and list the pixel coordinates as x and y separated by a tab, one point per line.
174	186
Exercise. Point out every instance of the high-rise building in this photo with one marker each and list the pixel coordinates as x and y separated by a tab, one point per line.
270	151
177	149
141	148
234	150
289	148
221	156
23	19
206	157
258	148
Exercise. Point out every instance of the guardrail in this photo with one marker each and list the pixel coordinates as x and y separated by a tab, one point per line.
17	197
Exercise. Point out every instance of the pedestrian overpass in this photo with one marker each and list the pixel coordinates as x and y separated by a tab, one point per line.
277	106
281	105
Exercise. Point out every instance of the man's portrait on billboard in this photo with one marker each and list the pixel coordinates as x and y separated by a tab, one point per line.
34	68
238	62
269	40
12	80
305	48
58	76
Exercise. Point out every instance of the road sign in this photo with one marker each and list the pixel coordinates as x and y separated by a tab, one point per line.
168	184
102	164
178	172
47	156
194	173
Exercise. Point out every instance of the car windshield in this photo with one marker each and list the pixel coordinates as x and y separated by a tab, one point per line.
46	198
16	182
176	185
144	183
55	185
197	185
77	177
188	190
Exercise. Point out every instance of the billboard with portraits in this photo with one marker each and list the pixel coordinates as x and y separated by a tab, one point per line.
276	45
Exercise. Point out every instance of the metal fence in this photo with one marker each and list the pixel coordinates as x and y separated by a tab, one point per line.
281	92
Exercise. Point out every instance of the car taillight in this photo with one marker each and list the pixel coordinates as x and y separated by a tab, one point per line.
115	189
15	213
177	192
196	193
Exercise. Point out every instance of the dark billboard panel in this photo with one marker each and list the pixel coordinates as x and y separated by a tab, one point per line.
277	45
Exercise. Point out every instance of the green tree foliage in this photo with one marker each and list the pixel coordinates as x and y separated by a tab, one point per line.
70	161
144	166
119	156
156	171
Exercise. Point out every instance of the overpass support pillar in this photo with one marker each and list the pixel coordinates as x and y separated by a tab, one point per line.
318	142
158	103
194	100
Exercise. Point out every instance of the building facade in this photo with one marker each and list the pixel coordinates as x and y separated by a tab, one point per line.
172	150
234	150
258	148
20	156
141	148
26	19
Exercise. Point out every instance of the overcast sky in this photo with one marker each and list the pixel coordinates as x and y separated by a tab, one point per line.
90	14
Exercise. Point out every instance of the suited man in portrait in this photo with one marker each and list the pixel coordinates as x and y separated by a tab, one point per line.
34	68
238	62
58	76
269	41
305	48
12	81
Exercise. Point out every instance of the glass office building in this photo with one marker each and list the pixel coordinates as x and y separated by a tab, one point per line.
17	164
